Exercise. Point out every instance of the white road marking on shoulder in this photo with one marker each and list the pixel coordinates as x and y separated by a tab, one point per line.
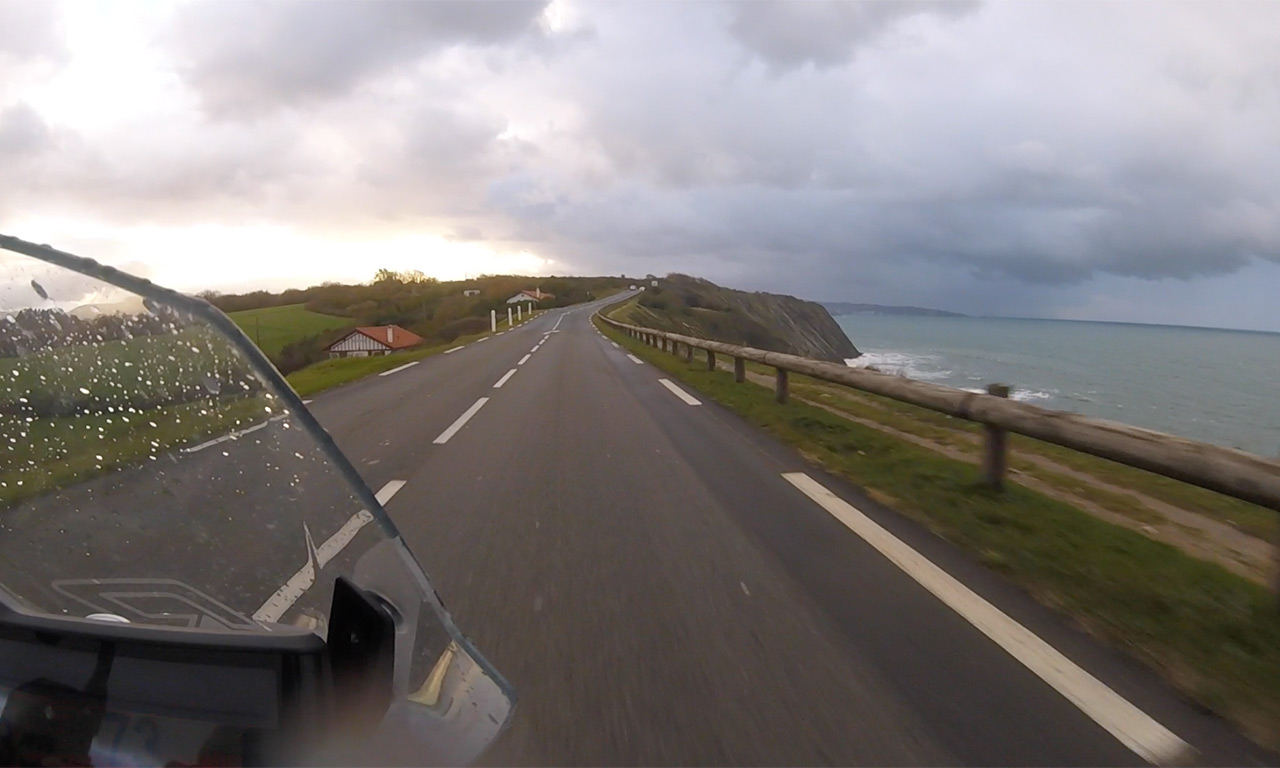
504	378
306	402
524	359
635	359
615	345
390	489
462	420
1131	726
680	393
319	557
231	435
455	349
399	369
486	338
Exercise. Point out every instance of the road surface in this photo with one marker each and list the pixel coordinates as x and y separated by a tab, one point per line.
661	584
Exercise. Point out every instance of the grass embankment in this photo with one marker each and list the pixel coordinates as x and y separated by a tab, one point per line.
1208	525
70	413
273	328
55	452
1214	635
331	373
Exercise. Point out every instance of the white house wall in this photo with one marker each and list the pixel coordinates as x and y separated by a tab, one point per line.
358	342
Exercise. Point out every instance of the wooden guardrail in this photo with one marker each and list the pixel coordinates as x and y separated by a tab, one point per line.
1233	473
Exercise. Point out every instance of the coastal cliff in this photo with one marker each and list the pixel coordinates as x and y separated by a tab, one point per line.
697	307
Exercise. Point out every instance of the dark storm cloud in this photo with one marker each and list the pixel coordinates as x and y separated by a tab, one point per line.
824	33
1005	154
249	58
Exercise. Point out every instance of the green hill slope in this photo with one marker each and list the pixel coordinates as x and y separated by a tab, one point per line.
272	328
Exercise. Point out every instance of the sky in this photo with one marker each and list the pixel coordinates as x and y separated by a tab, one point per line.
1082	160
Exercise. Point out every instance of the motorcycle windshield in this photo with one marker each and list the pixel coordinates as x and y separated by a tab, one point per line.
155	469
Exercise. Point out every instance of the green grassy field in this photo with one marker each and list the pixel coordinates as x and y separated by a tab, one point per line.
142	372
1212	634
273	328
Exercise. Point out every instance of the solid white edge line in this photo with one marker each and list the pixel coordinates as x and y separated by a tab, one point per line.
399	369
462	420
504	378
635	359
317	557
525	359
455	349
1131	726
680	393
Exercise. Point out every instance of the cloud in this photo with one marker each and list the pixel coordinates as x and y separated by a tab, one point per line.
29	29
249	58
825	33
22	131
989	158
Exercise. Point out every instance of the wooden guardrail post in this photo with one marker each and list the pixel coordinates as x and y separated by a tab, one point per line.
780	385
711	360
688	353
739	370
995	453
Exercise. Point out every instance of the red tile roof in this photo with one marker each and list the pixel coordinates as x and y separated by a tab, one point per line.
400	339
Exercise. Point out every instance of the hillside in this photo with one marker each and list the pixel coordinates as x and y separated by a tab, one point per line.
850	308
697	307
274	328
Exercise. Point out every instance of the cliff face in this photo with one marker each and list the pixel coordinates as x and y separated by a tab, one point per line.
697	307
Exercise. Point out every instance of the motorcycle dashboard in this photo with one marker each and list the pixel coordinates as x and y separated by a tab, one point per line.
99	699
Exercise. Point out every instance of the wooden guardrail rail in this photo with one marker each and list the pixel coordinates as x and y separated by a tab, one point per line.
1234	473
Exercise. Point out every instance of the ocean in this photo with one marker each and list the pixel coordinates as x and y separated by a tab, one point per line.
1219	386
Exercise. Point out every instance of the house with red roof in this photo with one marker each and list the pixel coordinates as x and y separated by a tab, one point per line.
370	340
535	296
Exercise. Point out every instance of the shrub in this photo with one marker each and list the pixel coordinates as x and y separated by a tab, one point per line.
463	326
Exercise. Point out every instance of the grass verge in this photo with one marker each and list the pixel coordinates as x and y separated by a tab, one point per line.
50	453
960	435
1212	634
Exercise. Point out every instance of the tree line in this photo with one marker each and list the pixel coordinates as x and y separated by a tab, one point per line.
33	330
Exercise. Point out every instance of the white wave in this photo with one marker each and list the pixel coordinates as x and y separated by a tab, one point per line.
922	367
1021	395
1026	395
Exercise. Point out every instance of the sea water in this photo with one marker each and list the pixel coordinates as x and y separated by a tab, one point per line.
1220	386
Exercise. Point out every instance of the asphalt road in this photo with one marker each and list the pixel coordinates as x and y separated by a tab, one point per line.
659	592
650	574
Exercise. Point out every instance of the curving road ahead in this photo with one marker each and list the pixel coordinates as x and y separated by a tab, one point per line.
664	584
